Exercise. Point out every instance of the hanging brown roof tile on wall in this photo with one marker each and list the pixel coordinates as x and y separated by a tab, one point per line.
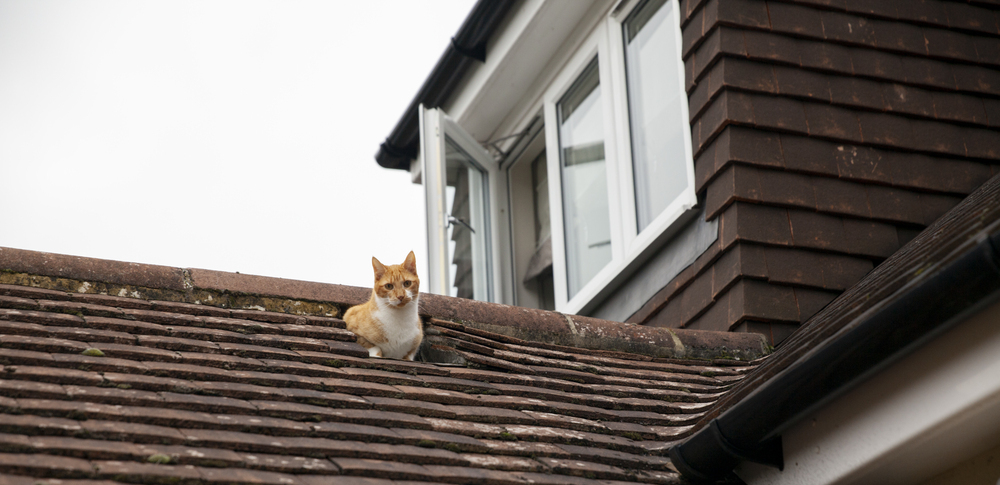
827	134
955	234
110	374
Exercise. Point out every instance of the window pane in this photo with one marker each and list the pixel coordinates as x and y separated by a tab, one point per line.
584	185
540	182
467	228
655	96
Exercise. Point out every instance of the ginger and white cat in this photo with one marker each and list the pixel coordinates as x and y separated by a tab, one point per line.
388	324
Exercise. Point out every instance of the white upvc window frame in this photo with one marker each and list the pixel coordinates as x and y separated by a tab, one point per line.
635	241
629	247
596	45
435	126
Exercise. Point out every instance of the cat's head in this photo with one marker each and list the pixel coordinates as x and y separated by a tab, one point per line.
397	284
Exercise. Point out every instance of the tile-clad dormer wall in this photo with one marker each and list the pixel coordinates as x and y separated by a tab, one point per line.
827	134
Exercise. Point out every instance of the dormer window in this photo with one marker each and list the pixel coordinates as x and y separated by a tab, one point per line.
607	122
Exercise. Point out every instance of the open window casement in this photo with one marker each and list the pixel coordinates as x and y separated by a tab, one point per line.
461	183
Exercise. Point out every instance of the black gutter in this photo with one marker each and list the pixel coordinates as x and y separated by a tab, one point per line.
467	46
751	429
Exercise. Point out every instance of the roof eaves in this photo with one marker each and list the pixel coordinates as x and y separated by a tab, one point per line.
934	282
468	45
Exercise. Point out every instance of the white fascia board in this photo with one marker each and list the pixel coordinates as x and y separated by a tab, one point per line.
920	416
520	51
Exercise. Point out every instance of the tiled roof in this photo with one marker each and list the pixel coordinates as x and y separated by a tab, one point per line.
144	390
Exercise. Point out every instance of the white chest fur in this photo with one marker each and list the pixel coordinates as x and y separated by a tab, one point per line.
401	326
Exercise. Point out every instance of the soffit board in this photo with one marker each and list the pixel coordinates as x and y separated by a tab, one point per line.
533	44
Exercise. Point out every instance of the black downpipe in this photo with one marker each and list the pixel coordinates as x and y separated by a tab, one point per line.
467	46
751	430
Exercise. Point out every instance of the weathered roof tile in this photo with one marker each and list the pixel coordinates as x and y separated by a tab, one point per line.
243	476
512	463
80	308
37	425
177	343
131	326
482	414
330	480
163	318
360	432
453	474
18	303
380	376
223	361
89	449
34	464
51	374
146	472
409	406
565	421
30	292
113	395
287	464
348	349
97	364
134	432
105	300
425	454
449	441
27	388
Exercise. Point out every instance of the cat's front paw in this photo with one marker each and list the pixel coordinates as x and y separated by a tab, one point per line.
374	352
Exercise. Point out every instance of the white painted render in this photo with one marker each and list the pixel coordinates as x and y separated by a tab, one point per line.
530	46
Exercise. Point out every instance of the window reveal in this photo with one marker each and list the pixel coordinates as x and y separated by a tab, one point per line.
540	267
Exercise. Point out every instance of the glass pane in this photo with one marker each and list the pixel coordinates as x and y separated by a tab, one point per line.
585	188
540	182
467	228
655	96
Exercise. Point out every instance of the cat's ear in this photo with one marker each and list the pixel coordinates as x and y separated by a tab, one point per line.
379	268
410	263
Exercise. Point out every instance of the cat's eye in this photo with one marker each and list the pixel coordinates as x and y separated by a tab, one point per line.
388	286
406	284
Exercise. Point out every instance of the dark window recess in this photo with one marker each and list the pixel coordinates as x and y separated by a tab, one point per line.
539	272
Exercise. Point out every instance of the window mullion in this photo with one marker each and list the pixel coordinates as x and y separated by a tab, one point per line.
556	206
612	135
623	159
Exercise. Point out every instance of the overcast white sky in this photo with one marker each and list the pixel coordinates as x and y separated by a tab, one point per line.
229	135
